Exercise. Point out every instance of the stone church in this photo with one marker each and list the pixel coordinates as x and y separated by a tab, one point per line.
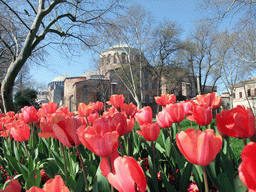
99	85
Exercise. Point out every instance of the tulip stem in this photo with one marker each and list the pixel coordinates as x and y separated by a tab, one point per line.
179	126
120	145
82	164
110	168
26	148
154	155
205	179
65	164
32	135
245	142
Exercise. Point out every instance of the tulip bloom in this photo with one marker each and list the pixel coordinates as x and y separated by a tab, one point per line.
165	99
49	108
55	185
202	115
120	123
85	110
210	100
163	120
98	105
101	139
150	131
117	100
129	109
175	112
66	131
238	122
247	169
29	114
20	131
199	148
189	107
13	186
129	175
144	115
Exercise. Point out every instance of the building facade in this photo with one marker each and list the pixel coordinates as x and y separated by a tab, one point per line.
118	66
244	93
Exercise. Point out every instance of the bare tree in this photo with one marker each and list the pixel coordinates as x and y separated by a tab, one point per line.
133	29
165	41
199	56
47	23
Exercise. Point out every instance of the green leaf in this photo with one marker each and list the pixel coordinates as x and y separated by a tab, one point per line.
80	183
228	167
226	186
58	160
211	173
198	176
186	176
34	179
100	182
239	186
167	184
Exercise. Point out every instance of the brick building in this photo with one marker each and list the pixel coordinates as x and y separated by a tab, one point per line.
100	84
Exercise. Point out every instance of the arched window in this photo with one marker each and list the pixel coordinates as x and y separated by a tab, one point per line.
123	58
145	74
109	58
115	58
146	98
146	85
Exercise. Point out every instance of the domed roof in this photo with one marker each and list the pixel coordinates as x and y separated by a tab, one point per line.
60	78
120	48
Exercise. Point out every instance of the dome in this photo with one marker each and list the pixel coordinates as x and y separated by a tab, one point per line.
60	78
120	48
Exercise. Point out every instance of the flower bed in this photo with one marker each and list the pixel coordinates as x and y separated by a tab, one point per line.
52	149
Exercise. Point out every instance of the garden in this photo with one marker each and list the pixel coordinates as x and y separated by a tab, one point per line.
187	146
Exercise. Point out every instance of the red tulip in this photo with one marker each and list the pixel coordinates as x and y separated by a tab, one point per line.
85	110
202	115
238	122
175	112
13	186
129	175
54	185
199	148
92	117
210	100
144	115
130	124
30	114
101	139
129	109
163	119
104	164
150	131
98	105
189	107
120	123
66	131
49	108
165	99
247	168
117	100
20	131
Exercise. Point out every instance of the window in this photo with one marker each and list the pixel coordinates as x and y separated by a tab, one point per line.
240	95
153	85
234	95
249	92
109	58
123	58
85	91
115	58
146	85
145	74
146	98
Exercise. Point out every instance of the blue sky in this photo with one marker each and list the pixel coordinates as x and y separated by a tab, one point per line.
184	12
